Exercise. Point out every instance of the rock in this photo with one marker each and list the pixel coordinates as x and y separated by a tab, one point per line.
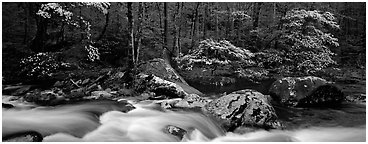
191	101
108	90
305	91
58	84
28	136
325	96
160	86
126	92
84	82
357	98
207	76
77	93
175	131
118	75
243	108
17	90
101	94
7	106
46	97
16	101
159	67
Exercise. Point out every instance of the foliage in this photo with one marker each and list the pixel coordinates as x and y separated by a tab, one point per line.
307	39
215	53
52	10
41	65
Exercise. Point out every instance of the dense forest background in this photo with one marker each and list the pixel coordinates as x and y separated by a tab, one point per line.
63	36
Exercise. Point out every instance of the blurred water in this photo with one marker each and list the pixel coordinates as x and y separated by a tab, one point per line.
146	123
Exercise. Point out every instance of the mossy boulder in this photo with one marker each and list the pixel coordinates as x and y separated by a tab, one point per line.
162	88
243	108
305	91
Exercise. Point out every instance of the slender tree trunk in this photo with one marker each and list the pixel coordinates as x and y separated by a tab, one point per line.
194	34
161	32
256	10
26	22
228	26
139	31
166	26
167	54
131	35
231	22
217	21
38	43
80	23
274	13
107	16
177	30
205	21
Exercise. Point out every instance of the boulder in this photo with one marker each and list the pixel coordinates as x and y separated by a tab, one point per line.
305	91
175	131
17	90
191	101
101	94
162	88
243	108
161	68
27	136
207	76
46	97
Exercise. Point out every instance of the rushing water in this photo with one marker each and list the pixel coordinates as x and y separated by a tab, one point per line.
104	121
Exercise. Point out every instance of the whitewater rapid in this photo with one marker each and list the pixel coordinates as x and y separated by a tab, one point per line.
103	122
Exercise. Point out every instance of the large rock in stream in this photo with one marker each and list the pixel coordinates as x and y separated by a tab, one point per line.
161	68
163	89
244	108
306	91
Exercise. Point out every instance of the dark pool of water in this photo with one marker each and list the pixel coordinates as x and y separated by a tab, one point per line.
240	84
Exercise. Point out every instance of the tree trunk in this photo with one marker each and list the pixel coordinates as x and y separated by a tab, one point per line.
166	26
139	30
177	30
131	35
80	23
26	22
38	43
205	21
160	22
107	16
256	11
217	21
194	33
274	13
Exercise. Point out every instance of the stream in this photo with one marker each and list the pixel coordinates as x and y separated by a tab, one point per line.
112	121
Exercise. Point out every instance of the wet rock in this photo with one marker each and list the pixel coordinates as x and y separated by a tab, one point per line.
77	93
159	67
243	108
305	91
323	96
207	76
29	136
46	97
357	98
175	131
58	84
7	106
17	90
160	87
100	94
191	101
86	81
126	92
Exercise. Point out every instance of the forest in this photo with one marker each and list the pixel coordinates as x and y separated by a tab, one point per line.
213	67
